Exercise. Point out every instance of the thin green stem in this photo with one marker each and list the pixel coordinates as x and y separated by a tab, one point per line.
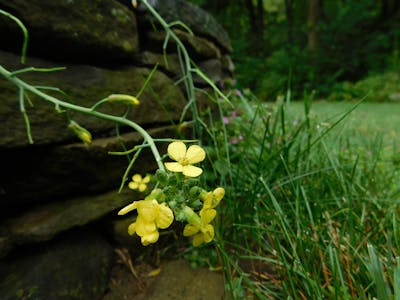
24	31
128	169
146	83
99	103
23	111
185	61
42	70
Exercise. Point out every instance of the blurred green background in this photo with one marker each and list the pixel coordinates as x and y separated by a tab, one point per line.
335	49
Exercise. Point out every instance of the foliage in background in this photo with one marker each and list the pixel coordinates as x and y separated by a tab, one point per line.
352	40
380	87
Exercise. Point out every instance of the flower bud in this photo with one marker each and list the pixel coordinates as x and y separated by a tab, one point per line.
183	126
191	217
157	194
162	176
219	192
195	192
81	132
172	204
191	182
124	99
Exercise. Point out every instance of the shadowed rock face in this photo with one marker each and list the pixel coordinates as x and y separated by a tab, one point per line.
49	174
198	20
74	266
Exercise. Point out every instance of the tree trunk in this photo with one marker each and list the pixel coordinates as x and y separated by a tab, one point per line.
389	8
290	20
313	17
260	18
252	16
256	21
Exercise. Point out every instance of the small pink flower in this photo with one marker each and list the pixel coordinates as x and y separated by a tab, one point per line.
236	140
225	120
239	93
234	114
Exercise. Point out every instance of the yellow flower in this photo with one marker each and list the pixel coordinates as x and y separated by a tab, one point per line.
139	183
212	199
185	158
151	216
202	231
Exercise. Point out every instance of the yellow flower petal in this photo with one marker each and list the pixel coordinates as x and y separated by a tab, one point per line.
137	178
208	233
207	215
219	193
198	239
148	209
150	238
176	150
191	171
128	208
165	216
143	228
142	187
133	185
173	166
212	199
146	179
132	229
195	154
190	230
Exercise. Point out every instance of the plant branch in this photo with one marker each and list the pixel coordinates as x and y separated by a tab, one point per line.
85	110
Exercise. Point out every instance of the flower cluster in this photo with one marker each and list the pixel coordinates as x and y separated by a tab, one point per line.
178	196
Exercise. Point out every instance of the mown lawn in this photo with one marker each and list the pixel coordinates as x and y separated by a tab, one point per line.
366	123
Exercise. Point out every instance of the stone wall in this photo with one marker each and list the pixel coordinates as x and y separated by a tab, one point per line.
58	184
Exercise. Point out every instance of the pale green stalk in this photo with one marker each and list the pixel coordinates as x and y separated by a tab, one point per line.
24	31
185	58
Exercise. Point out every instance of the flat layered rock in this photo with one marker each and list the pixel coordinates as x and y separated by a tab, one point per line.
212	68
46	221
161	102
175	281
100	32
76	266
198	20
178	281
197	47
34	175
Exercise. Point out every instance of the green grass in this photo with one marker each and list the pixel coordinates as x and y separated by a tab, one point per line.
366	122
312	203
